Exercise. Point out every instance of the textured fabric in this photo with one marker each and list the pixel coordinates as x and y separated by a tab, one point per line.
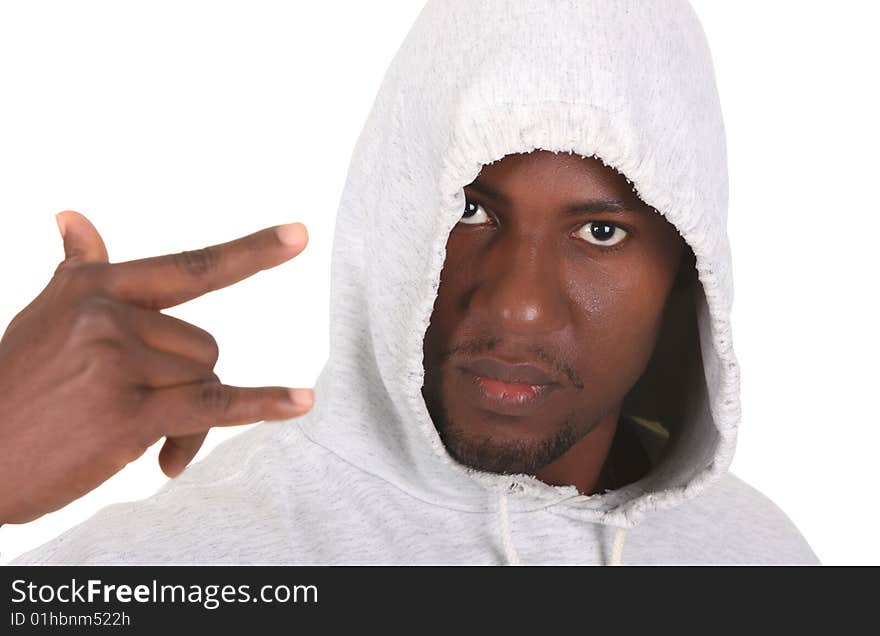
364	477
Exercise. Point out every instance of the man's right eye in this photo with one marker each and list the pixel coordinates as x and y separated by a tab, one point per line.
474	213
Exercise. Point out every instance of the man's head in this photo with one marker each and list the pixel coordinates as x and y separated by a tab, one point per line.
556	263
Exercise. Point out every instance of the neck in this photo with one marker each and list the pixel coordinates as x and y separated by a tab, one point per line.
588	464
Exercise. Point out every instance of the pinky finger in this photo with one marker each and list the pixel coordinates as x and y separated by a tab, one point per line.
185	409
178	451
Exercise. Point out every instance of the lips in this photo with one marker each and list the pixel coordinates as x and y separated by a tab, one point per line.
507	389
509	392
509	373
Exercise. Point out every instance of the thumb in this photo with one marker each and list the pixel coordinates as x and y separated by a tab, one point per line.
82	243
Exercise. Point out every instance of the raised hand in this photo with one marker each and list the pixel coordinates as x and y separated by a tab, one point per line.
92	373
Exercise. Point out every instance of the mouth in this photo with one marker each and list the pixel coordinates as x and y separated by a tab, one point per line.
506	398
510	373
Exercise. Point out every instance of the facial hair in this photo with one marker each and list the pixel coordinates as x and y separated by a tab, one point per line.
507	457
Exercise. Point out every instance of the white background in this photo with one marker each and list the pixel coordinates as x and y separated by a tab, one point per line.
175	125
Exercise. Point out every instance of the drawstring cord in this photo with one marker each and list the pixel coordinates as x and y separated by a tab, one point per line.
617	546
506	538
510	552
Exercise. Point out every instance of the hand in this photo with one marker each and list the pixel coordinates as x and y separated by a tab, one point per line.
92	373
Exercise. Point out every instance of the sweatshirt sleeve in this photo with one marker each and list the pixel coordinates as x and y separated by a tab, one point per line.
219	510
767	535
168	527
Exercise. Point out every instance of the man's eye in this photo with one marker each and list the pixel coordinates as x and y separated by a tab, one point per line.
474	213
602	233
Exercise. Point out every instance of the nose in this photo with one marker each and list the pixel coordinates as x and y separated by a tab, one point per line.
522	288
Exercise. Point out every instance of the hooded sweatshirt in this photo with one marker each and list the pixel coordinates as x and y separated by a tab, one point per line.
364	477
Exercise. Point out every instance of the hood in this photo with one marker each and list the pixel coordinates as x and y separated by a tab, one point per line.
626	81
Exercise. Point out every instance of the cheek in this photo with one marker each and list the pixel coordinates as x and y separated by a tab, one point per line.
616	320
448	307
460	272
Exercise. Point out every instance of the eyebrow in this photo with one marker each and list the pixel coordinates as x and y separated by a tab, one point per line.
617	206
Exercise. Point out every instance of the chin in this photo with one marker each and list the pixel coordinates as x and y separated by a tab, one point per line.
498	445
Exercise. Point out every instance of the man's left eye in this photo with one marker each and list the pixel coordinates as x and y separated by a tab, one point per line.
602	233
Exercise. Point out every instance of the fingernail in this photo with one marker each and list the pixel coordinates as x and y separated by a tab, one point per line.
302	398
293	234
60	223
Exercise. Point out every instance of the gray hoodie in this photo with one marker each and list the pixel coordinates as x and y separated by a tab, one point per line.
364	477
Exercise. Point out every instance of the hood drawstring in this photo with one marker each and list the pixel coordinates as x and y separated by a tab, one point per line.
506	538
617	546
510	550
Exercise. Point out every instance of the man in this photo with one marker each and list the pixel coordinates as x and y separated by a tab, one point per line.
530	354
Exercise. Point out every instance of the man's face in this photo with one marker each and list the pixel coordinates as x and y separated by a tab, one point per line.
558	264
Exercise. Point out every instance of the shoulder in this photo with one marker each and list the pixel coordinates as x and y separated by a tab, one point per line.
227	508
739	524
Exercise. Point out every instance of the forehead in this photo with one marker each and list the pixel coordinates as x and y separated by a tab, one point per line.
565	174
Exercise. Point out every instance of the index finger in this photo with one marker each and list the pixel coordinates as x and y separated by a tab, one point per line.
164	281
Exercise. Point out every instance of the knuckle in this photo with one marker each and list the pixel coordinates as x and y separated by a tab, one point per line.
96	317
79	277
144	421
198	262
213	396
103	365
213	349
